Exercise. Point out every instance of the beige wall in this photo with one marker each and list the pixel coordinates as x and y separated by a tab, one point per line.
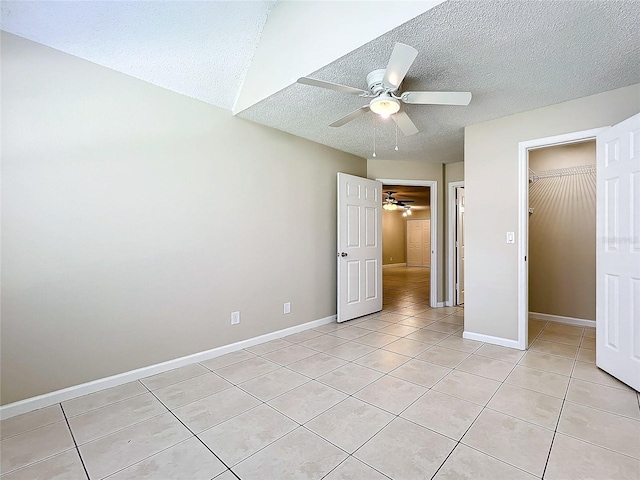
134	220
419	214
562	234
453	172
408	170
491	189
394	237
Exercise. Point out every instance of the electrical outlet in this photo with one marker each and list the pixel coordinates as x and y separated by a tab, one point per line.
287	307
235	318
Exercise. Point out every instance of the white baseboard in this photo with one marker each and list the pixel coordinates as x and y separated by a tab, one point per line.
48	399
440	304
395	265
568	320
503	342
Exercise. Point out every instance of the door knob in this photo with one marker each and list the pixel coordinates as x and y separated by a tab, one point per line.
343	254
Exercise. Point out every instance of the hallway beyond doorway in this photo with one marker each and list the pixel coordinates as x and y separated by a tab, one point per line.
405	286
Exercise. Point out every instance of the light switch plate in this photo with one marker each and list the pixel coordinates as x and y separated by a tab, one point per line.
287	307
511	237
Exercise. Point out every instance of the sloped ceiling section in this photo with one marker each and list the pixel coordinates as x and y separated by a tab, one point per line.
221	52
201	49
513	56
301	37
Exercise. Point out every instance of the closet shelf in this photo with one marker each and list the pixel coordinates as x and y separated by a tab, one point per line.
562	172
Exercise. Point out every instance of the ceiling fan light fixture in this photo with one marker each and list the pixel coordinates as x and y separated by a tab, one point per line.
384	105
390	206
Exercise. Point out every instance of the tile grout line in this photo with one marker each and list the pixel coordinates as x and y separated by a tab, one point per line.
484	407
299	425
350	361
262	402
357	460
353	361
396	416
73	437
333	406
555	431
192	432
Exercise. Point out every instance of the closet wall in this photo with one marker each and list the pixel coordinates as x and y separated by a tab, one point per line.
562	231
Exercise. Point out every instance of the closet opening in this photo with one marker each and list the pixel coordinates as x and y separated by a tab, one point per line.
562	247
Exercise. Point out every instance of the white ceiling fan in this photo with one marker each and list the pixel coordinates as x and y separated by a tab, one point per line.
384	91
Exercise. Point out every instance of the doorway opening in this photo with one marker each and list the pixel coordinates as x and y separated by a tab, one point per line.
562	240
455	244
545	184
409	243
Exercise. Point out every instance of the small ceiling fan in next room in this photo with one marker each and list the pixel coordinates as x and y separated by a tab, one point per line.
392	203
385	93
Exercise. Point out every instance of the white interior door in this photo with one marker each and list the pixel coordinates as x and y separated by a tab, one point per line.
460	246
414	243
359	247
618	251
426	242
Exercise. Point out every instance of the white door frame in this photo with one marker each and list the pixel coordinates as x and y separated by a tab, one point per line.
451	234
523	218
433	207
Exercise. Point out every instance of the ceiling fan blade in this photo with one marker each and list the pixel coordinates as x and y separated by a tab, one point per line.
406	201
401	60
352	116
332	86
404	123
437	98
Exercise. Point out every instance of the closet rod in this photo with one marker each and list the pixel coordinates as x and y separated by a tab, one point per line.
562	172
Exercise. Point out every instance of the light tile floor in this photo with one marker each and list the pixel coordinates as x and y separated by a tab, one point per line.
399	395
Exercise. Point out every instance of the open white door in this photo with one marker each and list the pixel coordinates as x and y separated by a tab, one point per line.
460	246
618	251
359	246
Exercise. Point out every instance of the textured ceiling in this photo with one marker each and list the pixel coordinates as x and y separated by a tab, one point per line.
421	196
513	56
201	49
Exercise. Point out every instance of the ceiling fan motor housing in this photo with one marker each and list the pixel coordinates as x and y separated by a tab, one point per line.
374	81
